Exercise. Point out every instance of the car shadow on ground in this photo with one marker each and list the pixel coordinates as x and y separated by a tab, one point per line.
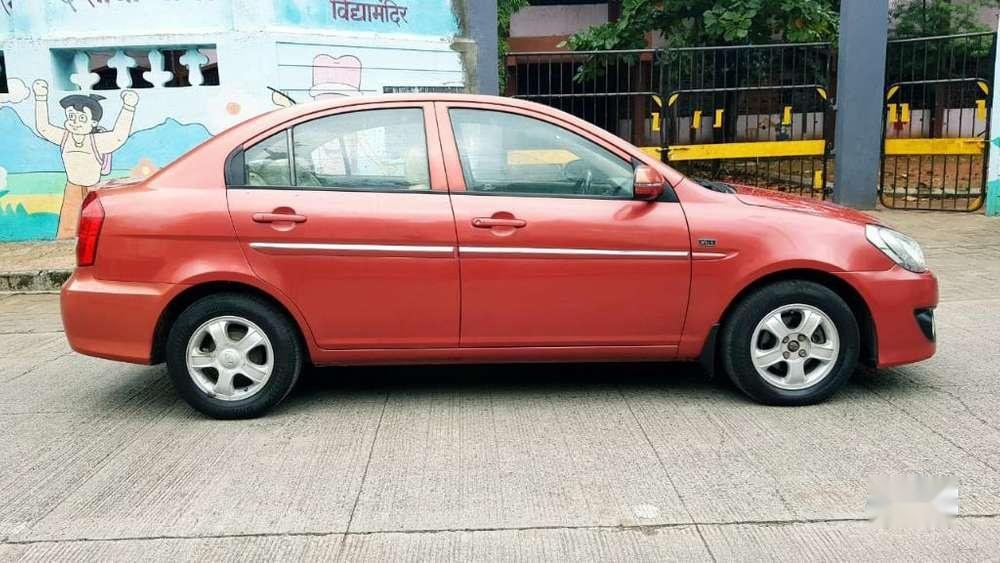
890	383
684	380
681	379
151	389
501	377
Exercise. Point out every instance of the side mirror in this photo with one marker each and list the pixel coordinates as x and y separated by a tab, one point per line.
648	184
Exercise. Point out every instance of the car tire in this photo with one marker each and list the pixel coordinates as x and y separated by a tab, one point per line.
217	364
807	331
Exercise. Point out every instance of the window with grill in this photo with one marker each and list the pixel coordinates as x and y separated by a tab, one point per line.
119	68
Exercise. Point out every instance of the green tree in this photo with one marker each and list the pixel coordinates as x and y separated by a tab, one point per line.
922	18
712	22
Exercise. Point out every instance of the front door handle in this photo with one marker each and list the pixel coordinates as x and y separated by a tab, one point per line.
490	222
278	218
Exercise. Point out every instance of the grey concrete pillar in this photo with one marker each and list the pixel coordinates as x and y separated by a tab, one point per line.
860	91
482	18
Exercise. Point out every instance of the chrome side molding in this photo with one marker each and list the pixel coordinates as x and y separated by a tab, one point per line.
396	249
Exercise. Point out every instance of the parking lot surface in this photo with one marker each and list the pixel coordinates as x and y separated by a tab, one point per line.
556	462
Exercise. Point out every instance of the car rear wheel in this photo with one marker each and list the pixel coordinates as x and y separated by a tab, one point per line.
791	343
233	356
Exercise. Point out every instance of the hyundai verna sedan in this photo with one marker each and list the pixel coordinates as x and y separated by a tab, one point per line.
465	229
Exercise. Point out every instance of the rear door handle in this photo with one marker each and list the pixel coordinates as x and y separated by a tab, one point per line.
490	222
278	218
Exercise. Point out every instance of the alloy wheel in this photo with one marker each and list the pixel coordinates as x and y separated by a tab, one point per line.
795	347
229	358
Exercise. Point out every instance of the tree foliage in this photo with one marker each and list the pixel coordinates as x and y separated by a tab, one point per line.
922	18
712	22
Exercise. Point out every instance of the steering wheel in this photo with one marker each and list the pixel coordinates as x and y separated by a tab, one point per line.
582	175
584	183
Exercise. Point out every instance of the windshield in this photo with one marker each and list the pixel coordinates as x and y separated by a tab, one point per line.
720	187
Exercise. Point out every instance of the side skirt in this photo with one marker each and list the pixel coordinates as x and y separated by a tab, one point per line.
397	356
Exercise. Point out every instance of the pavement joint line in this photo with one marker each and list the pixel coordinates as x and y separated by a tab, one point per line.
364	476
965	406
38	366
777	489
637	527
33	413
666	472
934	431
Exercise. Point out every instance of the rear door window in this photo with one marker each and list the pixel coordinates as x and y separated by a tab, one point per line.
384	149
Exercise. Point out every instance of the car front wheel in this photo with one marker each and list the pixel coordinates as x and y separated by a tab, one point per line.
790	343
233	356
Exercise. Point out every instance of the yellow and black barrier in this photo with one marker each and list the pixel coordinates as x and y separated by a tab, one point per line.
778	149
768	149
974	146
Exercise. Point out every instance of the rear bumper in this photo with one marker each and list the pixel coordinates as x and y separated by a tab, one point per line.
901	304
113	320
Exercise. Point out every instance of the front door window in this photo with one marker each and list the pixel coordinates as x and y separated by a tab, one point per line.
517	155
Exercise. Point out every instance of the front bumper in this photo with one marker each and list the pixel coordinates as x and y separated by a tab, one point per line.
901	304
110	319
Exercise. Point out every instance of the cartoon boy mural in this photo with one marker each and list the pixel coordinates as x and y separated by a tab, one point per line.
86	147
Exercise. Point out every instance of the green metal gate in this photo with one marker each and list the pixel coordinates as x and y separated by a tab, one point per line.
937	120
764	114
755	115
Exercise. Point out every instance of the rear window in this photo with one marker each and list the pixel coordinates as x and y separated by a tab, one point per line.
267	162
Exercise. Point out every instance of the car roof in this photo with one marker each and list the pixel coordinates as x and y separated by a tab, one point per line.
305	108
279	115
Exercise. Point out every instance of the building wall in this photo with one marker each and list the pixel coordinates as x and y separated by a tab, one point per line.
306	49
537	21
542	28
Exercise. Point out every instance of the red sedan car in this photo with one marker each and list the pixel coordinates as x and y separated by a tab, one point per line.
463	229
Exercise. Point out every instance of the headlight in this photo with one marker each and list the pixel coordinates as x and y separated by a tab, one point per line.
900	248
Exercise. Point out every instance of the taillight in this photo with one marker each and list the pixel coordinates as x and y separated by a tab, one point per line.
91	220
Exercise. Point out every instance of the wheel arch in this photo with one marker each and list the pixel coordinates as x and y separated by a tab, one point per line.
184	299
866	324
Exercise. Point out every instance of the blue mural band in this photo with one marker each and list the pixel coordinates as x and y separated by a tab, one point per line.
77	114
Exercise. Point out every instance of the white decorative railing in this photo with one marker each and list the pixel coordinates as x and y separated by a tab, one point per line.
84	69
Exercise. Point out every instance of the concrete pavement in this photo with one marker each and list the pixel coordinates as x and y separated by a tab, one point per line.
101	460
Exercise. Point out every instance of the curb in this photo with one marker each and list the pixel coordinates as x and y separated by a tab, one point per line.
42	280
